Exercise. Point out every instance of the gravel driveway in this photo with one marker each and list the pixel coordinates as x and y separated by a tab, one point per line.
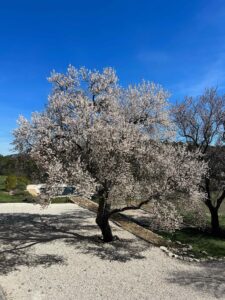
55	254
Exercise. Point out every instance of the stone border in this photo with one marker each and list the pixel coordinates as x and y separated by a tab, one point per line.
124	222
183	252
172	249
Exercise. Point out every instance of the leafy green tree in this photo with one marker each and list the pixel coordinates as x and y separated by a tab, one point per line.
20	165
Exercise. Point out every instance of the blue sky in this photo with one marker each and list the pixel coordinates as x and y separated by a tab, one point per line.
179	44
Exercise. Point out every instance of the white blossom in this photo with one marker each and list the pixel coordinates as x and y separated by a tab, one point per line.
101	137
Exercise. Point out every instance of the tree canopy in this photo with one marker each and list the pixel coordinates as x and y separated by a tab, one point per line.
200	122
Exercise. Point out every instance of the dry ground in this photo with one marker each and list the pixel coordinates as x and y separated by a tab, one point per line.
55	254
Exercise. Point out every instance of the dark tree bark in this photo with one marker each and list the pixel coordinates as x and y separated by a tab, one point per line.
199	121
215	225
215	221
105	212
102	220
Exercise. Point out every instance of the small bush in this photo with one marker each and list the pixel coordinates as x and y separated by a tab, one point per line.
10	183
16	183
22	182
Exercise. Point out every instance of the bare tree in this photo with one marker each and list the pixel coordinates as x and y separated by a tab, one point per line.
108	140
200	123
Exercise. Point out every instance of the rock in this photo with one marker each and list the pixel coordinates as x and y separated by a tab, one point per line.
185	249
202	259
204	252
178	243
171	254
185	258
163	248
196	260
190	247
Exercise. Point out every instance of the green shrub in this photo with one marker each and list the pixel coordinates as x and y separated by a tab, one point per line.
22	182
19	183
10	183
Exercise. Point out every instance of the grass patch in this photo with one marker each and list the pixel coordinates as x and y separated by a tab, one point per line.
60	200
18	197
200	241
23	196
2	182
26	197
7	198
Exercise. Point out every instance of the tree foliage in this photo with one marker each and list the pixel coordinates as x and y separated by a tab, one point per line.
200	122
19	165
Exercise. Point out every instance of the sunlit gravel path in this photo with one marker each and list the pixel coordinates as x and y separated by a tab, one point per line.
56	254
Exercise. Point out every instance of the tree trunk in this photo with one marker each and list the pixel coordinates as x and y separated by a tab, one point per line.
215	221
215	226
102	220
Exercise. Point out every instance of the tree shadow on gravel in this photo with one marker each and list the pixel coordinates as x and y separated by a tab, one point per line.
209	277
20	232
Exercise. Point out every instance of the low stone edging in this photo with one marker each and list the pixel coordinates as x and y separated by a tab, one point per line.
124	222
172	249
183	252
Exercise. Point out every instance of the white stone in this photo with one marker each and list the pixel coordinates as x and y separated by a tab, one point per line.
171	254
163	248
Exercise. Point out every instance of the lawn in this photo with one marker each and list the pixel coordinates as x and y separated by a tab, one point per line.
200	240
6	198
26	197
60	200
22	196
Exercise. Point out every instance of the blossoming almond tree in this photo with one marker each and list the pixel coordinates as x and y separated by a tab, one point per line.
108	141
200	122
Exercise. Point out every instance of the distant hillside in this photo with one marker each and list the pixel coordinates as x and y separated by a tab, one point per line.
19	165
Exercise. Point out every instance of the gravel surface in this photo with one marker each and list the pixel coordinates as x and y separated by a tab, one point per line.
2	295
56	254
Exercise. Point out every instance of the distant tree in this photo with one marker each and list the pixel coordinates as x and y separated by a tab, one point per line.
200	122
108	141
20	165
10	183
